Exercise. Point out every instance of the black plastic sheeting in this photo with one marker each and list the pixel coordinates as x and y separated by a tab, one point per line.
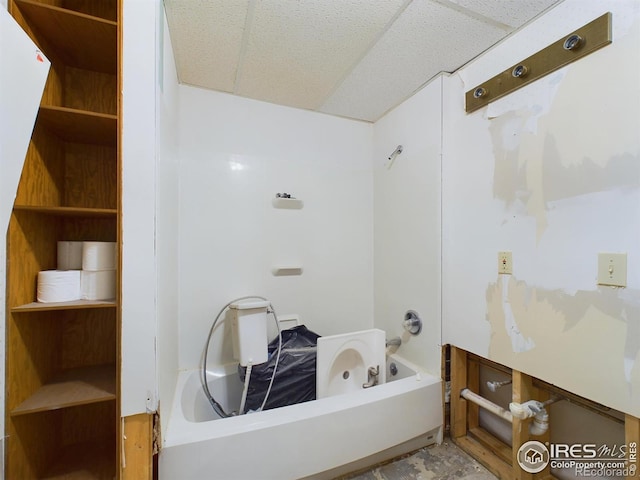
295	380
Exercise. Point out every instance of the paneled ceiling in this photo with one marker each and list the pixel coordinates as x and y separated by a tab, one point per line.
351	58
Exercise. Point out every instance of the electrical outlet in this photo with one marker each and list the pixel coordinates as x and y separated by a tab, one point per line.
612	269
505	263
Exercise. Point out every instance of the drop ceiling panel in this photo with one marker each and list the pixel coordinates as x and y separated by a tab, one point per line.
509	12
207	38
426	39
353	58
299	50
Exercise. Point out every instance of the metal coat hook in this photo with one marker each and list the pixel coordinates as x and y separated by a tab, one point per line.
393	156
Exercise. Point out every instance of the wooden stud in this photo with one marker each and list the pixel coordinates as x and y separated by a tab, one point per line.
458	383
473	384
522	390
542	396
446	377
137	451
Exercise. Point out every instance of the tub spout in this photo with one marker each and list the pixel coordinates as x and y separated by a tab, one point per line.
394	342
372	375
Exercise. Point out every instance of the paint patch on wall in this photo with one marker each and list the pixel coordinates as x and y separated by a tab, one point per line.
589	335
555	145
519	343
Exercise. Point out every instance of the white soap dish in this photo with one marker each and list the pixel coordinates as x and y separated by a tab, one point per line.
286	271
287	203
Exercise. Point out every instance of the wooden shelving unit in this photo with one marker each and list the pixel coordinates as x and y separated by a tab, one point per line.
62	373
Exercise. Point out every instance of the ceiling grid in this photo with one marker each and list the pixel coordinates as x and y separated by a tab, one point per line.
351	58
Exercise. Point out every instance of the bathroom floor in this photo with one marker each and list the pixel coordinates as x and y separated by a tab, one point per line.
437	462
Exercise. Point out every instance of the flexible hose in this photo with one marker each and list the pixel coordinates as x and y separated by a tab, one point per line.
205	384
243	400
275	367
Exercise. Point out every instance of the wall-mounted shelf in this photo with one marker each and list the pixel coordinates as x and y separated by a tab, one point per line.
287	203
286	271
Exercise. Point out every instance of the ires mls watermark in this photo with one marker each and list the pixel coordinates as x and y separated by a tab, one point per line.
585	459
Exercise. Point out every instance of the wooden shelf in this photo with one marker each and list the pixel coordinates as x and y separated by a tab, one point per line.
78	386
67	211
86	461
75	305
80	40
80	126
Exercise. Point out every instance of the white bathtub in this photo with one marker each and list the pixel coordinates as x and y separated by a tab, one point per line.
319	439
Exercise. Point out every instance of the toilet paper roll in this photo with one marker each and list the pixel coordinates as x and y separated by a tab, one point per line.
58	286
99	256
98	285
69	255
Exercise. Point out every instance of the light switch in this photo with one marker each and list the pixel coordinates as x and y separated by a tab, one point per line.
505	263
612	269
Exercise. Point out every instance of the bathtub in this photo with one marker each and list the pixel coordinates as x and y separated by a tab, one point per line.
320	439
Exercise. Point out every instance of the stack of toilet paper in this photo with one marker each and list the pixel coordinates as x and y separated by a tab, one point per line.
86	271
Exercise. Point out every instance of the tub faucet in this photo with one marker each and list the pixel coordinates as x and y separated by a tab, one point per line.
394	342
372	375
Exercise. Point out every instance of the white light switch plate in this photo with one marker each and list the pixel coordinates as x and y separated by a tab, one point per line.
612	269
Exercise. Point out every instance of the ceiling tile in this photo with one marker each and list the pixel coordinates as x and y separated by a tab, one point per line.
426	39
299	50
352	58
207	39
514	13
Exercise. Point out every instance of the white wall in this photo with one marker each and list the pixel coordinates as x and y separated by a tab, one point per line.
552	173
139	96
236	154
407	223
167	222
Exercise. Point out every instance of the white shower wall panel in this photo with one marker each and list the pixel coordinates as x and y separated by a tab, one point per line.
407	223
167	200
236	154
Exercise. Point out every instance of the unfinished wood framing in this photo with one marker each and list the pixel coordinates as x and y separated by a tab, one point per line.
522	390
498	457
137	447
